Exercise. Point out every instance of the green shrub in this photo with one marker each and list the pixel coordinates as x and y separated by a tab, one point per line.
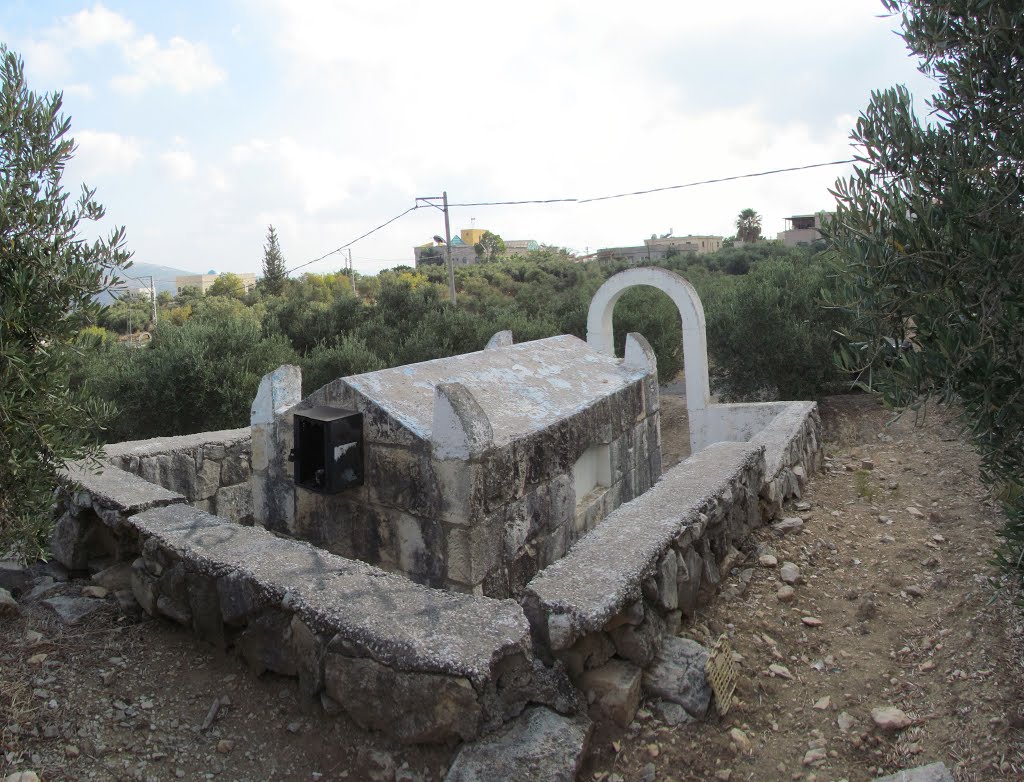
347	355
200	376
768	335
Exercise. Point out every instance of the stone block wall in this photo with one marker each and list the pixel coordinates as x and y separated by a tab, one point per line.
210	469
793	452
488	523
652	561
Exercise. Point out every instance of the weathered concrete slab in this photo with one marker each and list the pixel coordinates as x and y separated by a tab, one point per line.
187	442
522	389
114	488
603	572
539	745
401	623
933	772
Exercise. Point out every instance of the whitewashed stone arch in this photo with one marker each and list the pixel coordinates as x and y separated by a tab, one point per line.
600	334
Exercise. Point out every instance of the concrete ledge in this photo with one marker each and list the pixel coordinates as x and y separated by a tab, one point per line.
397	622
632	554
187	442
110	487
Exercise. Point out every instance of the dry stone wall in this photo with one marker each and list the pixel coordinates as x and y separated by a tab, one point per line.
210	469
428	665
419	664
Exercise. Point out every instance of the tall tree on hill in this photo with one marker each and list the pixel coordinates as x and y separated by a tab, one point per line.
50	277
490	247
930	226
748	226
273	264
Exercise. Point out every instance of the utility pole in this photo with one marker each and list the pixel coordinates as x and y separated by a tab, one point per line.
448	248
443	198
152	300
351	273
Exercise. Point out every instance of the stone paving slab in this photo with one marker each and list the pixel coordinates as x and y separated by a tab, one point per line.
402	624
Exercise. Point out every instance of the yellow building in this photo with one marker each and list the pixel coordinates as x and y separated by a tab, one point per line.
472	236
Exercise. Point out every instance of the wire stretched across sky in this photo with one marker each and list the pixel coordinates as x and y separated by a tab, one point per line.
573	201
350	243
714	181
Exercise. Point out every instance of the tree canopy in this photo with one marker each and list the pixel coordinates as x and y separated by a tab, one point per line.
490	247
931	227
227	284
273	264
748	226
50	278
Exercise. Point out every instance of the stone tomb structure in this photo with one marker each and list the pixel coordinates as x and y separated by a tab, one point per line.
480	469
529	471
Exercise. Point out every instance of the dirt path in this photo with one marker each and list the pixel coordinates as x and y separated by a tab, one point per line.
894	608
125	698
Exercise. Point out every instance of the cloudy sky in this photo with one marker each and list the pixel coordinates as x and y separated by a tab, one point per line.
202	123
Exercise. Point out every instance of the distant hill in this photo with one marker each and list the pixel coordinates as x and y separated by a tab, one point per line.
137	276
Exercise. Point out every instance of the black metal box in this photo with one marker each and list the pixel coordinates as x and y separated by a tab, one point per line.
328	449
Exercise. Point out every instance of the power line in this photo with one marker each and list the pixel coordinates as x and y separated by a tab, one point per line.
516	203
714	181
349	244
571	200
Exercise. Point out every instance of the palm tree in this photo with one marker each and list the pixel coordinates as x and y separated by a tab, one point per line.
748	226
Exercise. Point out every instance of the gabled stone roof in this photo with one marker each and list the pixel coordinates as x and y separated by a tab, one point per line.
522	388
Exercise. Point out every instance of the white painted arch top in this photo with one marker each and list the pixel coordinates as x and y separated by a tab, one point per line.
601	337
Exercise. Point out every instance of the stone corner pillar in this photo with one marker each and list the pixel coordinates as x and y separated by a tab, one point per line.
273	491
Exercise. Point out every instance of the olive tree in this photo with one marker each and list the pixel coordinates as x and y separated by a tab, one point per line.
931	227
50	276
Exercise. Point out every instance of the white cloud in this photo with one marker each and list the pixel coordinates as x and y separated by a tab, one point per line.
90	28
102	153
178	163
79	90
180	64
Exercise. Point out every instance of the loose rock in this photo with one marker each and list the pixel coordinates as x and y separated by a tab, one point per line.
933	772
767	560
741	741
789	525
890	718
677	675
8	605
814	757
786	594
72	610
537	745
789	573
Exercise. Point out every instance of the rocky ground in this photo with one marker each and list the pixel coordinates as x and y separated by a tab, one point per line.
892	606
891	649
